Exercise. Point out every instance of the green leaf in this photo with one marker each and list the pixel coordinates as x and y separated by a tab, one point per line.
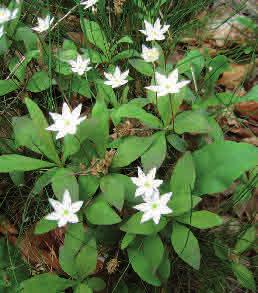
95	35
15	163
128	238
135	111
47	282
126	54
43	181
47	145
26	135
44	226
142	66
39	82
88	185
246	240
186	245
107	93
30	39
153	250
134	226
244	276
131	149
142	267
100	213
192	62
156	154
83	288
17	178
113	190
81	86
181	184
71	146
201	219
95	56
62	180
101	134
86	259
177	142
252	95
164	268
218	65
219	164
96	284
191	121
8	86
73	242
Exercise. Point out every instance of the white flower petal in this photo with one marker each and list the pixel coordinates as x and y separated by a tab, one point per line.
76	206
146	217
77	111
62	222
67	201
52	217
143	207
165	198
72	218
173	76
56	205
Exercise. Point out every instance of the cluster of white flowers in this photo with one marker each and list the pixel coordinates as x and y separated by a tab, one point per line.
155	205
65	211
5	16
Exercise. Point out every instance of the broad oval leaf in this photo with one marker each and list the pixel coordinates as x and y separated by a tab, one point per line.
201	219
192	122
186	245
131	149
133	225
219	164
100	213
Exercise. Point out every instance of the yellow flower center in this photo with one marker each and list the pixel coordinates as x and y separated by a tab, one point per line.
65	212
154	206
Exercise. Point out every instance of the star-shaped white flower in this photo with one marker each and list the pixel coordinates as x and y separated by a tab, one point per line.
1	31
146	184
7	14
154	32
67	122
65	211
167	84
89	3
43	24
80	65
154	207
116	79
150	54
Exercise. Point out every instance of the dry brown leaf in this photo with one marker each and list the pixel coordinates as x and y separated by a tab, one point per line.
247	109
235	75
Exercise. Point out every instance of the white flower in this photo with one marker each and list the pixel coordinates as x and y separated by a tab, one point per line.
167	85
154	207
43	24
146	184
66	123
1	31
7	14
116	79
65	211
80	65
150	54
154	32
89	3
